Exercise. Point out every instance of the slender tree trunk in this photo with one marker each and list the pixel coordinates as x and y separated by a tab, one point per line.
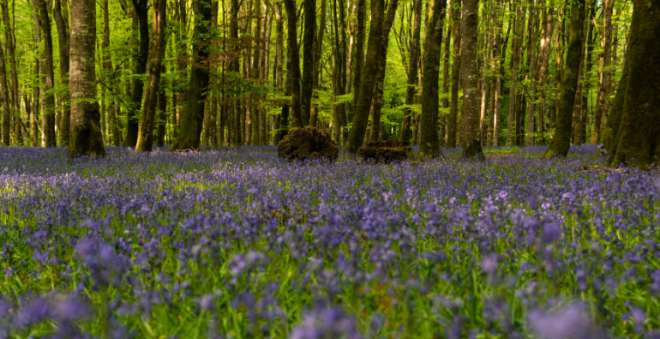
377	100
193	116
109	80
156	52
446	67
309	33
368	82
5	97
470	134
49	81
62	23
413	72
604	70
430	142
452	130
637	141
86	136
10	41
340	58
293	63
141	12
561	141
516	55
358	51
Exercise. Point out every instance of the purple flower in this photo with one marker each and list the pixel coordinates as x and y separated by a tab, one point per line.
326	323
70	308
551	232
34	311
568	322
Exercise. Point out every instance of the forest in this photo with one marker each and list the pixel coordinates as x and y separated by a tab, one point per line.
315	169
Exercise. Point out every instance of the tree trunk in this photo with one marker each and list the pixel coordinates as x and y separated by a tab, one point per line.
429	140
377	99
452	129
516	55
358	51
470	134
10	41
293	63
604	71
561	141
109	79
141	12
368	82
413	72
86	139
637	140
62	23
193	115
309	33
5	97
49	81
156	52
339	76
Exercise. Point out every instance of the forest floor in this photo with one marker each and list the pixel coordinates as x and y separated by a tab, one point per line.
236	243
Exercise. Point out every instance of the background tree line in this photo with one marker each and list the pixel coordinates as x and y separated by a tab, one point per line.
213	73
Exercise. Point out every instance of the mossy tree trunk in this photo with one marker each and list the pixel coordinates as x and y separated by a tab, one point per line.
429	140
86	136
150	101
49	80
470	132
293	63
413	72
62	23
141	13
637	116
308	60
193	115
377	38
561	141
452	130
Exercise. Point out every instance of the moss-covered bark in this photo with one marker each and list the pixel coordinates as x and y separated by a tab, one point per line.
636	115
561	141
85	138
429	140
193	115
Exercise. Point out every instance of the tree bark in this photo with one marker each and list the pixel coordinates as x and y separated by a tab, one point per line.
429	140
604	71
10	41
340	74
293	63
369	79
561	141
62	23
141	12
49	80
86	139
452	123
413	72
470	133
193	115
637	140
150	101
5	97
309	34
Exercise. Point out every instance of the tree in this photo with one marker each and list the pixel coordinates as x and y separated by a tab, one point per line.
4	95
429	140
377	42
455	73
604	70
193	115
412	72
49	80
293	63
470	133
141	20
86	138
62	23
636	138
561	140
308	60
150	98
10	41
